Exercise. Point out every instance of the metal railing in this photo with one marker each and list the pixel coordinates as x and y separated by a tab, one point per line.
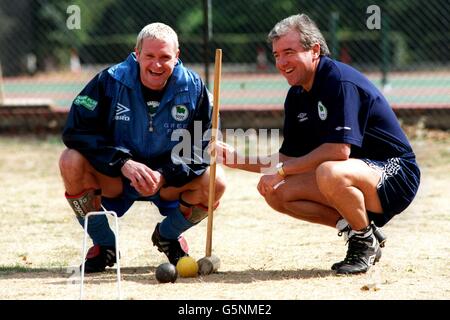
51	48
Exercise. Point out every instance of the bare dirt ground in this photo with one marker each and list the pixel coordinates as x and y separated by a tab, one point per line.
265	255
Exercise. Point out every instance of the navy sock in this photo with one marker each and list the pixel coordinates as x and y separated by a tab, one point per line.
99	230
174	224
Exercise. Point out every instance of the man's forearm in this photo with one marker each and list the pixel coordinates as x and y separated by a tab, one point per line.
255	164
310	161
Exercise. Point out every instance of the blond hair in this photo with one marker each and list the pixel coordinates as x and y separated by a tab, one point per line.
158	31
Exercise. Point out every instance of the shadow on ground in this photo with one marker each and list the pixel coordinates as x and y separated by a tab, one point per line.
146	275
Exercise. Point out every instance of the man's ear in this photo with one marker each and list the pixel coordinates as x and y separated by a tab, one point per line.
136	51
316	50
178	53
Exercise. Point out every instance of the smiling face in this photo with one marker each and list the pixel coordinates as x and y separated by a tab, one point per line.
295	63
157	59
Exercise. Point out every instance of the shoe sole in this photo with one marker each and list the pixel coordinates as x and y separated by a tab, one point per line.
377	259
338	264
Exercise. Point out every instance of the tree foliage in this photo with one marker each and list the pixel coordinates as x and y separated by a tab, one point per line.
109	27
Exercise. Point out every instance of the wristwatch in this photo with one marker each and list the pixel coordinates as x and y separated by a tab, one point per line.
280	170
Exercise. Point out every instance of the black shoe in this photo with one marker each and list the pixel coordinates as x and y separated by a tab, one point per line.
361	254
336	265
381	237
173	249
99	257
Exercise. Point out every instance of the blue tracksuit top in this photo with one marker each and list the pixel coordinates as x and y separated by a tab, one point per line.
108	121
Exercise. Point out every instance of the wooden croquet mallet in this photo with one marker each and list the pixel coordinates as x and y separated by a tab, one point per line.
211	263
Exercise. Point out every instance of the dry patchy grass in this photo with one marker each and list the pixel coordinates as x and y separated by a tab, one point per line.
265	255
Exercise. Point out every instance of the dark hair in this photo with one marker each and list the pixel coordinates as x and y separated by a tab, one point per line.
307	29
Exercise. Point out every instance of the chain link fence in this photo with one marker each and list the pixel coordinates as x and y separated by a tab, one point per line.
49	49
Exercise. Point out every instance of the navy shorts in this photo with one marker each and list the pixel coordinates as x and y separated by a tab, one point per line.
400	178
129	195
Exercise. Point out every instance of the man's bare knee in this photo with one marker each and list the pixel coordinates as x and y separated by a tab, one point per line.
220	188
275	200
71	161
330	178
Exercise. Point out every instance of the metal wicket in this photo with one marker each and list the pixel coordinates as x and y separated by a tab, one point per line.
83	253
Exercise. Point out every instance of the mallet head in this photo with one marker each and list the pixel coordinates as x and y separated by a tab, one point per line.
208	265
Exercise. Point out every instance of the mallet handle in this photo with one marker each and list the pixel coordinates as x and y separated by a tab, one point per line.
212	169
2	95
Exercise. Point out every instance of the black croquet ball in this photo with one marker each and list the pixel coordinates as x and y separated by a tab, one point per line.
166	272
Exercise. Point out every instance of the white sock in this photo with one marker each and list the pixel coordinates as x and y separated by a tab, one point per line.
341	225
364	233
